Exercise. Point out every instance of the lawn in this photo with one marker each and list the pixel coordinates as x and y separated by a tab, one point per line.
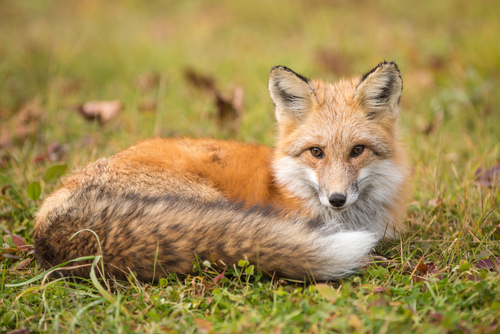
165	62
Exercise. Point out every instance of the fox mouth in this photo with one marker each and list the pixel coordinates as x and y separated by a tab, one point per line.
339	209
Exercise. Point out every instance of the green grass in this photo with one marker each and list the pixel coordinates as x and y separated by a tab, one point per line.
57	55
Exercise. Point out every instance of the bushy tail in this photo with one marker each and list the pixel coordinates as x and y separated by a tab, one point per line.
137	230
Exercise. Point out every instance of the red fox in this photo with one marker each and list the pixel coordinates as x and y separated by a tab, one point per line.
313	207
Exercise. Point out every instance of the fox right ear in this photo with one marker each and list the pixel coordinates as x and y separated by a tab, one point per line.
292	94
379	91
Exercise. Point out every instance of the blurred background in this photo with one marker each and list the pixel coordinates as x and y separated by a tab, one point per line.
84	79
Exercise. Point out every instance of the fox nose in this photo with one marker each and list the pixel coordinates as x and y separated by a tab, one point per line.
337	200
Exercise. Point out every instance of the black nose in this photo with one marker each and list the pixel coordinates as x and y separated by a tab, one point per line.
337	200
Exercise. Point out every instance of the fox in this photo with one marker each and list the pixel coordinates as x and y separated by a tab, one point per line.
311	208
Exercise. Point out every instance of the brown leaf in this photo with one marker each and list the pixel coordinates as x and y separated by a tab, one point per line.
200	81
417	279
4	189
488	177
334	61
203	325
23	264
488	264
380	289
25	124
17	240
230	110
20	331
54	152
422	267
100	110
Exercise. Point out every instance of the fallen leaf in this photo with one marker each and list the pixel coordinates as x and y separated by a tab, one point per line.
488	177
25	124
200	81
203	325
422	267
488	264
17	240
230	110
4	189
327	292
100	110
20	331
56	151
23	264
218	277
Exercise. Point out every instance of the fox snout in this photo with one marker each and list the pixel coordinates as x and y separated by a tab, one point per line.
337	200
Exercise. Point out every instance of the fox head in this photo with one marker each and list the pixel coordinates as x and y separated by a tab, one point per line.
338	142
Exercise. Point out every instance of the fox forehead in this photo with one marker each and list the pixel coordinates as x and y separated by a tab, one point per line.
337	123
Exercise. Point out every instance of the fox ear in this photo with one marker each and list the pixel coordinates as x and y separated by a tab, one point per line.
292	94
379	91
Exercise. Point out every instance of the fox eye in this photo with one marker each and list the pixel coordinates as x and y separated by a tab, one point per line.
356	151
317	152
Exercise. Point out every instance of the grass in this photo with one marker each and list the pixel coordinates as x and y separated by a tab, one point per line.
56	55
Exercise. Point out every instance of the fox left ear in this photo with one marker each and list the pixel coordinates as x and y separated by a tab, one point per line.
292	94
379	91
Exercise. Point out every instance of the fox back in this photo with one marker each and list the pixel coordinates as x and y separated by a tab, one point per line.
313	207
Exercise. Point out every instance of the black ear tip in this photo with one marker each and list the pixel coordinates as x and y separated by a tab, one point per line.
389	64
286	69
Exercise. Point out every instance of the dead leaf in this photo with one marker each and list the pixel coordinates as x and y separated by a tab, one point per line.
334	61
203	325
54	152
4	189
488	177
23	264
23	125
20	331
200	81
474	278
218	277
230	110
17	240
380	289
488	264
100	110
